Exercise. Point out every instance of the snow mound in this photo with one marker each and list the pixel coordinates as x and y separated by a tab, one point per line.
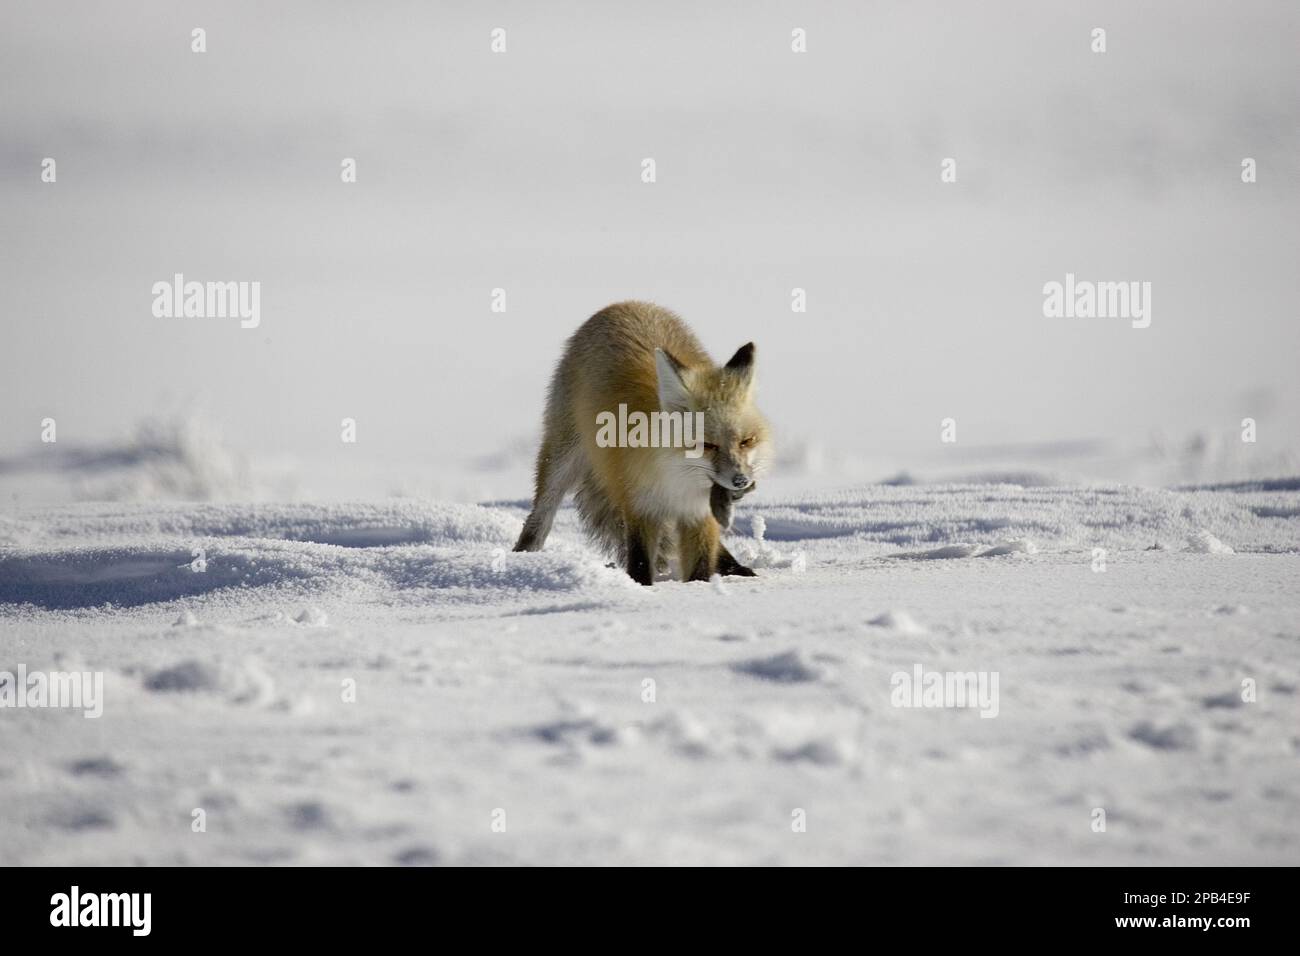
951	551
781	738
824	751
945	553
244	682
1202	542
1176	736
573	731
968	518
183	458
757	552
792	667
899	621
345	524
312	617
1022	546
127	556
1228	610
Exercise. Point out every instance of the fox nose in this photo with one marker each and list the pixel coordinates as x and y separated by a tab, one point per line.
740	481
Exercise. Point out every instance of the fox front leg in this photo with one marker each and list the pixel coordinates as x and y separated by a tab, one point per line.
698	544
642	545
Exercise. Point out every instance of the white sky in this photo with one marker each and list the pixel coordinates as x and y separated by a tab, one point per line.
775	170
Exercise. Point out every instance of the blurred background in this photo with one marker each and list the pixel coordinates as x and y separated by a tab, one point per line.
522	171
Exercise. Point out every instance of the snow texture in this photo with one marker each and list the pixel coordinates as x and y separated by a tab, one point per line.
683	723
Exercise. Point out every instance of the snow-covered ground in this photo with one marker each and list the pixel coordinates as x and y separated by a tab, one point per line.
493	688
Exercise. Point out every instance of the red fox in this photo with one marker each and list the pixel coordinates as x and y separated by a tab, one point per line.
647	504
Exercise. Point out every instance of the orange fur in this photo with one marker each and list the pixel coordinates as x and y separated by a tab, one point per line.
644	504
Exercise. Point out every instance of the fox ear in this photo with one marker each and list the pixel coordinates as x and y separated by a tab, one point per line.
742	363
673	393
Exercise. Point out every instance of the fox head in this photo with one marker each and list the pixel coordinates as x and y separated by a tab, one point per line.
736	439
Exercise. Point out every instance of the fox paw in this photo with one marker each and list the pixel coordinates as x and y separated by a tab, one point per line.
729	566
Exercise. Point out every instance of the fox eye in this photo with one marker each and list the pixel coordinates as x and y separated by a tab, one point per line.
710	447
747	442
